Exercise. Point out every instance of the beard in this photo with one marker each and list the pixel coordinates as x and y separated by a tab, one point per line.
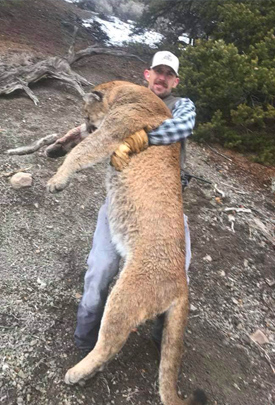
161	91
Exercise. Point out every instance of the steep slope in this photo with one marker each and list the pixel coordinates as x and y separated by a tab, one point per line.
40	26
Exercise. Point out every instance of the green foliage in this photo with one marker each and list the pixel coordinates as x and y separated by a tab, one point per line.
173	18
240	22
259	143
255	117
234	94
213	76
244	22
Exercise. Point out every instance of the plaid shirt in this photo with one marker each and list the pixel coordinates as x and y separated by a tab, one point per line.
177	128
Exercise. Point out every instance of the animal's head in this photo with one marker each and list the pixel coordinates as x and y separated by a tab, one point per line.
94	110
97	103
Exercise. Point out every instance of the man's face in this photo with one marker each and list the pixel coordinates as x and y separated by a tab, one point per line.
161	80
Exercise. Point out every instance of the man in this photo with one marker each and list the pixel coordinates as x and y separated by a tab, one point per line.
103	260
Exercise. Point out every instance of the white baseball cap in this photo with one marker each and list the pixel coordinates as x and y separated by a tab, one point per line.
166	58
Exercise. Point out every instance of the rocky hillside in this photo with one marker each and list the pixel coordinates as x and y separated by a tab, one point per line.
43	27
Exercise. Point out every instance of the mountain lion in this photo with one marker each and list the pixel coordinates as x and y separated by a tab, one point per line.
146	220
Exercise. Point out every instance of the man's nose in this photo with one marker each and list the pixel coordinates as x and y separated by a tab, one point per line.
162	76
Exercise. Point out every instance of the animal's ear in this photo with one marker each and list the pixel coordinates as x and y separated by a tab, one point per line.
98	95
88	98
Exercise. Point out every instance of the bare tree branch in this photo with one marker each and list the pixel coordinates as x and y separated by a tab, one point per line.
25	150
95	50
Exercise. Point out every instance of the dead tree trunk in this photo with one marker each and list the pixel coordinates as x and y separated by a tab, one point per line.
53	67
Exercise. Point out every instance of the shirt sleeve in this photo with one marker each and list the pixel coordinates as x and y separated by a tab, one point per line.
177	128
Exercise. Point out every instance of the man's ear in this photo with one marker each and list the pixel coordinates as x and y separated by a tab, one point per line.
146	74
176	82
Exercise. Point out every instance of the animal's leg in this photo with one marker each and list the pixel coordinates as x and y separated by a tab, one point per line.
171	353
122	313
93	149
94	361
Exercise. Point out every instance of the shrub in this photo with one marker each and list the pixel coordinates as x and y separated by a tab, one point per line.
234	94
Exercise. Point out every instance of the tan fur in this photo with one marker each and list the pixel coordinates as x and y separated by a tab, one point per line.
146	221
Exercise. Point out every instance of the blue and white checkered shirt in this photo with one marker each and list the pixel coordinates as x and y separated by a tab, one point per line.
177	128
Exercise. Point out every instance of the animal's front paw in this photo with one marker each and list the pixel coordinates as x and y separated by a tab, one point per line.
57	183
74	376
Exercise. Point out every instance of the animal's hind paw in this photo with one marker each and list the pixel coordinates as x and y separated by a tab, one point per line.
73	377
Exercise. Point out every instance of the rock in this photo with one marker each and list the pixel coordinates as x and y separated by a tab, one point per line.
259	337
5	367
20	180
42	284
21	374
226	342
208	258
271	283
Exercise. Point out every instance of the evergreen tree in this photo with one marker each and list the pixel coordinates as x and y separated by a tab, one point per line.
234	94
196	18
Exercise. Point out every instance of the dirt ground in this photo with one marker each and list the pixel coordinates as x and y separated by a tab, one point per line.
45	240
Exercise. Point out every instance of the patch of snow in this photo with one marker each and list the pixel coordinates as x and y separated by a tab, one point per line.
119	32
184	38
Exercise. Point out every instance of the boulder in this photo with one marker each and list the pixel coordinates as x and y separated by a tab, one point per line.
20	180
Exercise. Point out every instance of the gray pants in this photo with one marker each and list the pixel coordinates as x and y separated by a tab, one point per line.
103	265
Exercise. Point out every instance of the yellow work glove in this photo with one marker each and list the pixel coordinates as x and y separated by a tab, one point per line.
133	144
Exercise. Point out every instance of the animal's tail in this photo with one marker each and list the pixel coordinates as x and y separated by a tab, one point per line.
171	351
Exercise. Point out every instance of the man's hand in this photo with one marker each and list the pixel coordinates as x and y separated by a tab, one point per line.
135	143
